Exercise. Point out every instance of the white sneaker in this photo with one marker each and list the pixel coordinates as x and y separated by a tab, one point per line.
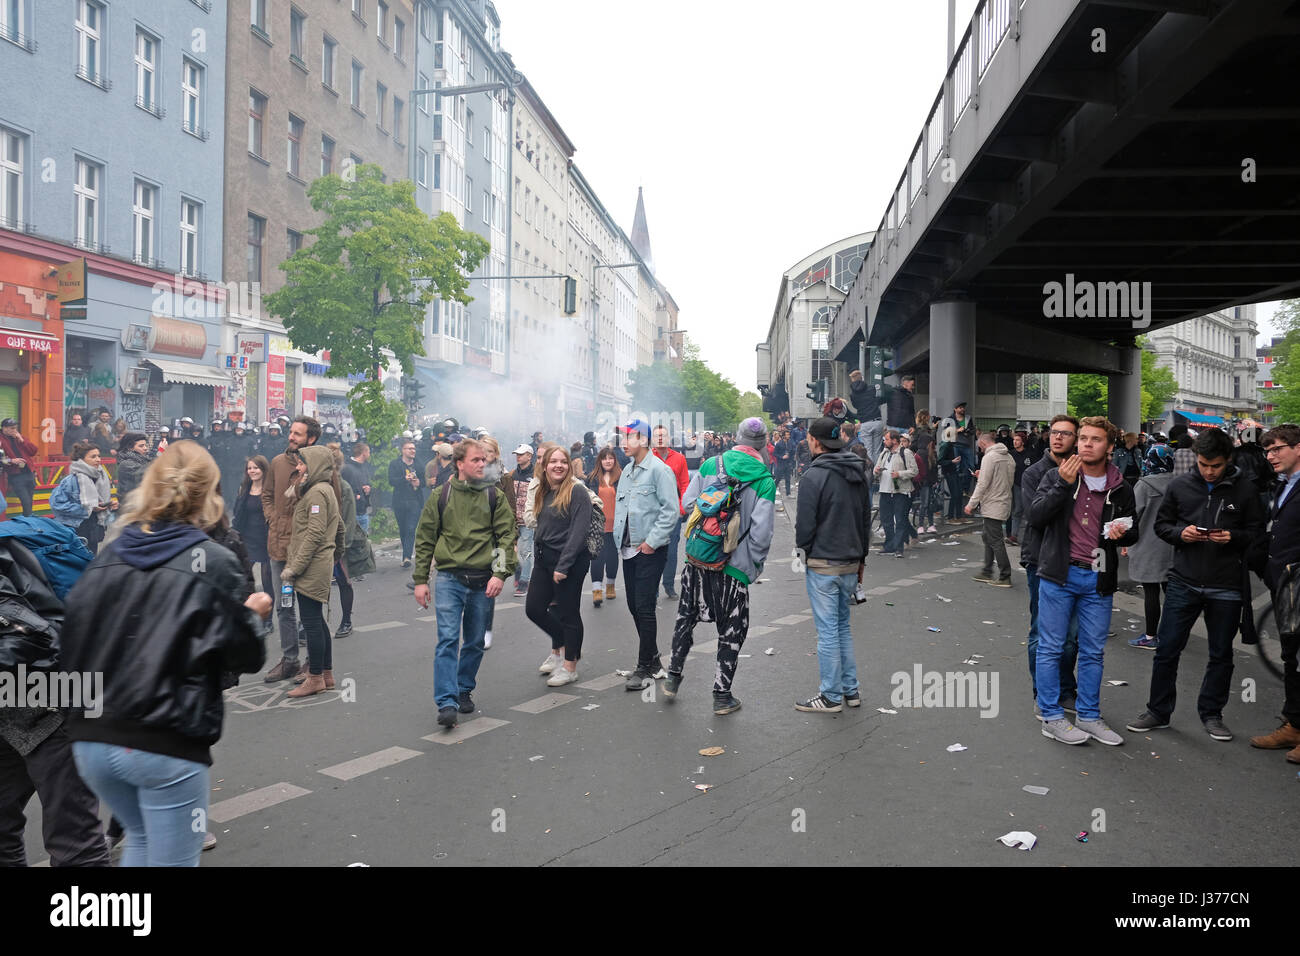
552	661
562	676
487	640
932	530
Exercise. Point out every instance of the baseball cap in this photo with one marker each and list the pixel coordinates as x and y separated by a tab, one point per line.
8	423
524	450
636	425
827	431
443	449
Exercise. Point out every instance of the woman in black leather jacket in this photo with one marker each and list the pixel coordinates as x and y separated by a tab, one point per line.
176	626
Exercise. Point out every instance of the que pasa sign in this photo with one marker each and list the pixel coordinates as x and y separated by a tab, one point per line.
27	342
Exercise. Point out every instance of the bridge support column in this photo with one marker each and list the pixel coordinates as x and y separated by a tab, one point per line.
952	356
1124	392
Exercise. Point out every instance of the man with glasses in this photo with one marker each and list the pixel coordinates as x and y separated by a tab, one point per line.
1282	446
1061	434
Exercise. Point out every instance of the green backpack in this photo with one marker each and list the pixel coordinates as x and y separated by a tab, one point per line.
713	529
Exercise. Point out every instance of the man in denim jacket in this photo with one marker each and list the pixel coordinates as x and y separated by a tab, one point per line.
645	514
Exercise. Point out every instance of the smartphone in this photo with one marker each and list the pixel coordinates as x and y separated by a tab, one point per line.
1204	530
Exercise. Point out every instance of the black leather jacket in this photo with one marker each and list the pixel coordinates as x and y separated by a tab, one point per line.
159	615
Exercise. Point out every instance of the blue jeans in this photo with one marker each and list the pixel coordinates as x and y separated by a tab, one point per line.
524	544
1070	651
155	798
829	596
455	664
364	521
670	563
1056	602
893	521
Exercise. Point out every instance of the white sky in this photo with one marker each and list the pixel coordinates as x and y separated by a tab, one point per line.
736	118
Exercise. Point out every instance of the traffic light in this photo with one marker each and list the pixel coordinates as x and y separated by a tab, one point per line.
570	295
817	392
417	392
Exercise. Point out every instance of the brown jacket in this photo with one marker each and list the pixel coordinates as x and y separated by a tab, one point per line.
318	534
276	508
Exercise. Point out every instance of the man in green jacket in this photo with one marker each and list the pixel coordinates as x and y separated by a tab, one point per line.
468	528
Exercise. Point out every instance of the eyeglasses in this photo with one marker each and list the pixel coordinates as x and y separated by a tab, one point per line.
1060	433
1277	448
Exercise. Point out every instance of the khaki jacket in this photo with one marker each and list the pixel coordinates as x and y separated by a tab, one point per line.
993	490
317	537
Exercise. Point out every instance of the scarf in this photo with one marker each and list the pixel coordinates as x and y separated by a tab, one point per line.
94	486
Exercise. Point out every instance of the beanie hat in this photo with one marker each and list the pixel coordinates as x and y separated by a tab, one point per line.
753	433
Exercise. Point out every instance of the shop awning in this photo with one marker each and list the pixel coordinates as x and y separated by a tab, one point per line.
1197	418
188	374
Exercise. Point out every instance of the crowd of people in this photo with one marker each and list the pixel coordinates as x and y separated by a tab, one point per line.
1073	495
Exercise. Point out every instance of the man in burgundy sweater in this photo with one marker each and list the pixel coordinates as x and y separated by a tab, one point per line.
19	473
677	462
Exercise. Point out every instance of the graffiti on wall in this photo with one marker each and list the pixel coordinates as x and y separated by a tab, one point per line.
132	413
89	388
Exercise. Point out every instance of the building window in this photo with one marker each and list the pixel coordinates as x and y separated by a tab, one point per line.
190	215
295	240
296	128
257	16
86	190
90	26
297	34
11	21
469	128
191	91
397	120
426	21
399	37
424	100
487	205
146	199
146	59
256	111
381	104
469	195
256	232
422	167
326	155
357	71
487	143
437	170
381	21
1033	387
11	179
359	10
327	50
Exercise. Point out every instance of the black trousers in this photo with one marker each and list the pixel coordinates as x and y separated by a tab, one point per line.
69	810
563	622
408	516
22	485
641	575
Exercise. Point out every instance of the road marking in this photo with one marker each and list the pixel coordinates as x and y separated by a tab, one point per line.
544	703
227	810
951	570
370	762
431	617
761	630
904	582
603	683
926	576
881	590
791	619
381	626
471	728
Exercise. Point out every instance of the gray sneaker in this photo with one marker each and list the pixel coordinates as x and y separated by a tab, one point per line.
1064	731
1148	721
1216	728
1097	730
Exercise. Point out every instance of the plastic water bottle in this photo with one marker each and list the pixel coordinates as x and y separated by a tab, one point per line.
286	595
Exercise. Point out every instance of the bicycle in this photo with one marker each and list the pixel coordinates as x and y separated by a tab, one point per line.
1269	648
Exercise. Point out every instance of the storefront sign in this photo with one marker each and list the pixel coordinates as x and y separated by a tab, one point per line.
274	382
234	361
252	346
29	342
174	337
308	401
72	281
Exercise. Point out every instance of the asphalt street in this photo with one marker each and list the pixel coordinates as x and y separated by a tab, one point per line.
592	774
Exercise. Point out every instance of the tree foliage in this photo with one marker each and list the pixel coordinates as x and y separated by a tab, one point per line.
695	390
361	288
1087	394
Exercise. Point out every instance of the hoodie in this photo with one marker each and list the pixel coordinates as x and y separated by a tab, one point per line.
146	550
834	514
317	538
757	509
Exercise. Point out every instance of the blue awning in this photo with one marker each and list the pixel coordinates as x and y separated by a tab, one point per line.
1197	418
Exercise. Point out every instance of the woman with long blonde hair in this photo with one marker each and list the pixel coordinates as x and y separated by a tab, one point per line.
174	626
562	506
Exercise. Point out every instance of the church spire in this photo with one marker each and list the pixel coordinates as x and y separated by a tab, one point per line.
641	232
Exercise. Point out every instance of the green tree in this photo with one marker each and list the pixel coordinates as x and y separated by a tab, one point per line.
1285	398
1158	386
360	290
1287	317
1087	393
751	406
696	389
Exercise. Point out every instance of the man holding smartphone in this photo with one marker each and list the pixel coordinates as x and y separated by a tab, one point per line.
1211	517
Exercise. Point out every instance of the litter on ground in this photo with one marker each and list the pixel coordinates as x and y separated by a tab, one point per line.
706	787
1018	838
955	748
713	751
1041	791
885	710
